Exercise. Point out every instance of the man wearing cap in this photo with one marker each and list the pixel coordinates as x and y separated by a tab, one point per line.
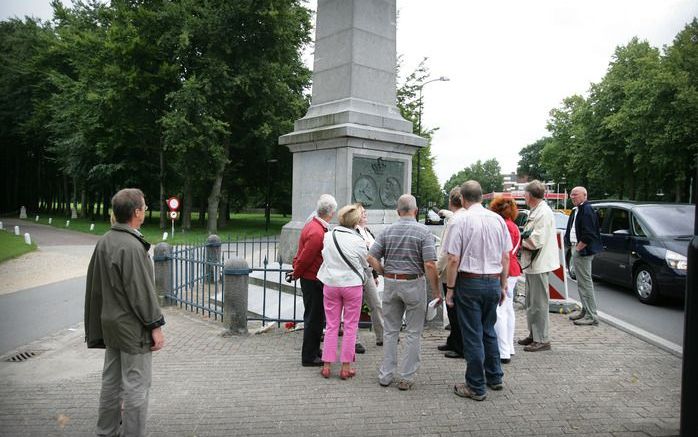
408	252
478	265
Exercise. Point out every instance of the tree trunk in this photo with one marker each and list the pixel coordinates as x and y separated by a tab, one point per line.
83	203
186	205
223	210
213	199
105	207
163	219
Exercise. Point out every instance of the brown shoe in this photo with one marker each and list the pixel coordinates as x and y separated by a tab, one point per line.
578	315
537	347
525	341
404	385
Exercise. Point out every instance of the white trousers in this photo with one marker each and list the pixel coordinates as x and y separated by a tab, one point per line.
506	322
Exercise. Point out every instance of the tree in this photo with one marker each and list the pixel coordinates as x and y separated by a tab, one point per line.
422	162
488	174
530	165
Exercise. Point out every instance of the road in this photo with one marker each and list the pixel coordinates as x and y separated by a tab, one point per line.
664	320
34	313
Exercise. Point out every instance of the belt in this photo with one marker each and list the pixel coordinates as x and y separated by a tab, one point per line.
478	275
402	276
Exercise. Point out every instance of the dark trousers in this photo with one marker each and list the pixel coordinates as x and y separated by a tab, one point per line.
477	301
313	319
455	338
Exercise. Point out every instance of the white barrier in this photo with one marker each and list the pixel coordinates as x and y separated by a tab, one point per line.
67	223
164	236
92	227
50	220
17	231
1	226
36	219
27	238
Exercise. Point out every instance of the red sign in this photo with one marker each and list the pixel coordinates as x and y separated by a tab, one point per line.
173	203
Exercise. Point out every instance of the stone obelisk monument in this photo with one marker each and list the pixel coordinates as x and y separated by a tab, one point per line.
353	143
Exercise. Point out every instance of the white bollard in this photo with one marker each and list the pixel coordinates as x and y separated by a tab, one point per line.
23	213
36	219
50	220
17	231
164	236
27	238
73	213
1	226
67	223
92	227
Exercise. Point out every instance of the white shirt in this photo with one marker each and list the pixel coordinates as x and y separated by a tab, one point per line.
442	261
573	231
480	238
366	235
334	271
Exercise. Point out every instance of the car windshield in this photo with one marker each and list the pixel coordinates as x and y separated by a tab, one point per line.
668	220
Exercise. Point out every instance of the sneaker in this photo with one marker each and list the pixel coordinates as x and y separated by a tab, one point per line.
404	385
587	321
578	315
464	391
525	341
359	348
537	347
496	387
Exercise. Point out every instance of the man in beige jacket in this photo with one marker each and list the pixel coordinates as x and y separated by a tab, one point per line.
539	257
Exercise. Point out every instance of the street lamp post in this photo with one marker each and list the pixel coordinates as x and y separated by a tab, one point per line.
419	132
267	204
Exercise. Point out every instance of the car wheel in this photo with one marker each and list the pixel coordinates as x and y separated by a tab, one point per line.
570	266
645	285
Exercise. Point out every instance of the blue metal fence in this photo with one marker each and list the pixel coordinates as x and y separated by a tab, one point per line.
198	280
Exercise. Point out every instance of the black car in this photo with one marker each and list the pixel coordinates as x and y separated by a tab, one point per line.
644	247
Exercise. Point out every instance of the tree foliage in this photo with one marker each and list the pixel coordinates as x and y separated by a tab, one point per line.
427	189
635	135
177	97
488	174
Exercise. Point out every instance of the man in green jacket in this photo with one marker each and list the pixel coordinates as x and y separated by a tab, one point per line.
123	316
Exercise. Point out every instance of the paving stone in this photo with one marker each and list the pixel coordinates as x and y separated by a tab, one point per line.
598	381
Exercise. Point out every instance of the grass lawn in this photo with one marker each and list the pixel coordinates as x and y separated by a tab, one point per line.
251	224
12	246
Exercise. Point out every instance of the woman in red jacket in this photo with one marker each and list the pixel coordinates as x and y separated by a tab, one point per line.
505	312
305	267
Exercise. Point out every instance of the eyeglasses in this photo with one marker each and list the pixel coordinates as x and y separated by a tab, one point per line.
144	209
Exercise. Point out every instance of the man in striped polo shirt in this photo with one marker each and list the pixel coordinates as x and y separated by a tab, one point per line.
408	252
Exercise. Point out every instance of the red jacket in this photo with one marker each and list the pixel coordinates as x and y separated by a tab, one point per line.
514	266
309	256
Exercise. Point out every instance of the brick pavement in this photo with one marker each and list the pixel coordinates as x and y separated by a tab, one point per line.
596	381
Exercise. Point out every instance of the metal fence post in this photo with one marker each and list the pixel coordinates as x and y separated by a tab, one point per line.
213	256
237	278
162	259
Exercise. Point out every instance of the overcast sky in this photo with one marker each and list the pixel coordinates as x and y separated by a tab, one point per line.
509	62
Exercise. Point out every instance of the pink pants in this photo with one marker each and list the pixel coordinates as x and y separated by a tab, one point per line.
335	299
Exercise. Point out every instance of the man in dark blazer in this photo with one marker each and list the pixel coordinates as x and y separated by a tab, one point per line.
584	239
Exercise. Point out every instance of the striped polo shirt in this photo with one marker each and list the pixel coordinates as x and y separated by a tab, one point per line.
404	246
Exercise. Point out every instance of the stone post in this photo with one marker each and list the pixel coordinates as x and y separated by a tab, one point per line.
162	259
213	256
236	280
23	212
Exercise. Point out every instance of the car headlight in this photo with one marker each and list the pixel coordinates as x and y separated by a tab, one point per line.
675	260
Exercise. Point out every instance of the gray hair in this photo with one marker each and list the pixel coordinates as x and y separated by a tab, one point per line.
125	203
536	189
326	205
471	191
406	203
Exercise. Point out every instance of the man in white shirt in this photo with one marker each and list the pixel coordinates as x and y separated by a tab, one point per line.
478	265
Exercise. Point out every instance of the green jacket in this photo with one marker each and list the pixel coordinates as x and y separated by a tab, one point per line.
121	307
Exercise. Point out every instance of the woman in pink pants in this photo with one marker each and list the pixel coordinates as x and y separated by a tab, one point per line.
342	272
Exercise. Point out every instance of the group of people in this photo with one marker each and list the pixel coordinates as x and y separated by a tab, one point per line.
476	271
338	269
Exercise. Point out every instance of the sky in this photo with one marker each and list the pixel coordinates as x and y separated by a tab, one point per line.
509	62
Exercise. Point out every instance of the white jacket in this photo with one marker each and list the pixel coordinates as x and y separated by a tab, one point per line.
334	271
544	238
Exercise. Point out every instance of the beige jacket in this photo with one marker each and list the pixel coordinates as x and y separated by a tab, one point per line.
442	260
541	223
